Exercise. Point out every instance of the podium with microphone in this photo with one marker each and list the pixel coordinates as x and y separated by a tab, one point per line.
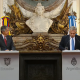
71	65
9	65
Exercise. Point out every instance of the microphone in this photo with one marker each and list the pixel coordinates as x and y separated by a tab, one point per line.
67	44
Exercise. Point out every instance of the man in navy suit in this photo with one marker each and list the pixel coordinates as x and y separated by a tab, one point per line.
71	41
6	42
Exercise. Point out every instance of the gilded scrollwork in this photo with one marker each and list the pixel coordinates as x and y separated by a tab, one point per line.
17	21
39	43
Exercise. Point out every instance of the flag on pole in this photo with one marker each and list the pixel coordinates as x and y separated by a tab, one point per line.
5	21
72	21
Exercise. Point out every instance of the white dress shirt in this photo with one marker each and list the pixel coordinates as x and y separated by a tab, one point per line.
3	36
71	42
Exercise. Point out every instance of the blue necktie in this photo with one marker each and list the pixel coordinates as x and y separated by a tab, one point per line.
72	44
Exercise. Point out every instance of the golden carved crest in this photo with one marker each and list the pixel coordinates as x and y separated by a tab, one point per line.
40	43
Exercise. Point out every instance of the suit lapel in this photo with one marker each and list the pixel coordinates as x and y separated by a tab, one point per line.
75	42
69	42
2	40
7	40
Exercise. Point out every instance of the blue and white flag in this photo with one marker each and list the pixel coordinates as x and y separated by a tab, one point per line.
72	21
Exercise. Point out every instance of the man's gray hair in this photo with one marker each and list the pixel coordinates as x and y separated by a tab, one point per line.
73	28
3	28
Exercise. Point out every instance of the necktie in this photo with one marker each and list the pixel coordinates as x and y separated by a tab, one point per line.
5	41
72	44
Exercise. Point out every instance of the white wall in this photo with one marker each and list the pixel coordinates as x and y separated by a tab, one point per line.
1	11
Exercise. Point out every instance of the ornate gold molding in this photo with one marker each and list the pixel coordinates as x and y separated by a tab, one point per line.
39	43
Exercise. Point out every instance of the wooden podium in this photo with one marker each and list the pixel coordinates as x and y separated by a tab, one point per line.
9	65
71	65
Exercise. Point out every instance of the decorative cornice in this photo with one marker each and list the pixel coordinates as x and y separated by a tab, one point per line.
38	43
26	6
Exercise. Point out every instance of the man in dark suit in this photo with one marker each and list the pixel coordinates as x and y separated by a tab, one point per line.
71	41
6	42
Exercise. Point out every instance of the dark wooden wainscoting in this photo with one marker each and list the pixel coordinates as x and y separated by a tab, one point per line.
40	66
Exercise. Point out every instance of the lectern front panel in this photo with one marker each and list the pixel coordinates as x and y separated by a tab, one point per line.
9	65
71	65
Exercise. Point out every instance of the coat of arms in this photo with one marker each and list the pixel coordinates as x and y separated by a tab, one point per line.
73	61
7	61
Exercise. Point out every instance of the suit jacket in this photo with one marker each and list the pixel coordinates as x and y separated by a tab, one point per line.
10	44
65	42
